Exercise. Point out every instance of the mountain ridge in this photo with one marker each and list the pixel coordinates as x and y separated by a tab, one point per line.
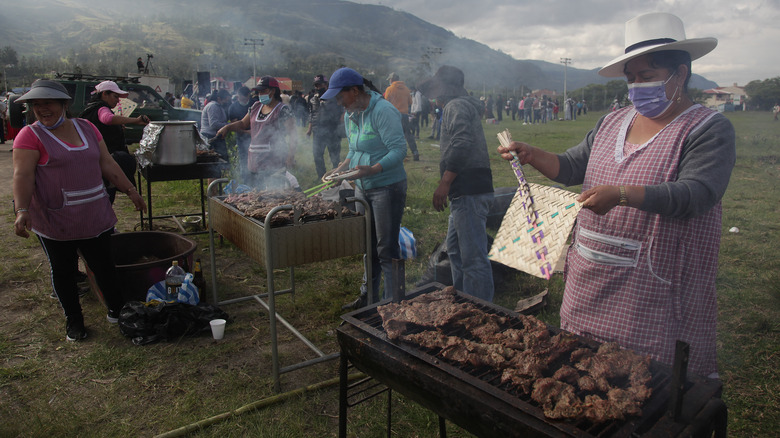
301	38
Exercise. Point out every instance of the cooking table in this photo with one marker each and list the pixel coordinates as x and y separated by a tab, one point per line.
156	173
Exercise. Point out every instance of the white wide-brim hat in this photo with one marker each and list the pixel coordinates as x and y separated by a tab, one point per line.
655	32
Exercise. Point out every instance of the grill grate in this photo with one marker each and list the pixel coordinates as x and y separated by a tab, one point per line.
489	380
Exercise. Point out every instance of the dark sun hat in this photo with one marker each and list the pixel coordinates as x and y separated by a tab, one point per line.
45	89
448	81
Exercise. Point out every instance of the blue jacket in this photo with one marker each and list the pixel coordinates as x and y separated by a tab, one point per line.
376	136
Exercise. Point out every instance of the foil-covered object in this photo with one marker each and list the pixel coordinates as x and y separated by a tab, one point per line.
148	153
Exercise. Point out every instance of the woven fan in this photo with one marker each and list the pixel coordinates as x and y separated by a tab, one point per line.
536	226
125	107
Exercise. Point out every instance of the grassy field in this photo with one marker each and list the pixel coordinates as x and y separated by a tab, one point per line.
106	386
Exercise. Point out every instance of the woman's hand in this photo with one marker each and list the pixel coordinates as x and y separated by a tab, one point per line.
366	171
340	168
138	201
524	152
222	132
545	162
22	224
601	199
142	120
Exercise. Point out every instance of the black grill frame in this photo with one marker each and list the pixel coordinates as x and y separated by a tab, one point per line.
500	408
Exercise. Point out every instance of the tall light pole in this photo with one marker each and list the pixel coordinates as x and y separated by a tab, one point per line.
432	53
254	42
565	62
5	75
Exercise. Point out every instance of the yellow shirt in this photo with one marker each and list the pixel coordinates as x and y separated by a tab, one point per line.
186	102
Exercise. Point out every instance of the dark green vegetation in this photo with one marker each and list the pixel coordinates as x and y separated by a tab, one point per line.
105	386
763	94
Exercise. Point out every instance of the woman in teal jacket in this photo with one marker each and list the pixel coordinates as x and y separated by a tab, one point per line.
377	148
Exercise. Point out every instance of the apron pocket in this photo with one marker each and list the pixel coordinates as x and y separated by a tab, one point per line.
257	152
608	250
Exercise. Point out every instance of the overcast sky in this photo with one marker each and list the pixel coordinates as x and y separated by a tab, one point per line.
591	32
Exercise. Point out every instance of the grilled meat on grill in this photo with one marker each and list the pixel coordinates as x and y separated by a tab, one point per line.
438	309
432	339
257	205
558	399
568	379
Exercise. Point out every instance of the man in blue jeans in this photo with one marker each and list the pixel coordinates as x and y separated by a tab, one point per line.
466	180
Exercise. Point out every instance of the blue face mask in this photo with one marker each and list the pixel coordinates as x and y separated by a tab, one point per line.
56	125
649	98
265	99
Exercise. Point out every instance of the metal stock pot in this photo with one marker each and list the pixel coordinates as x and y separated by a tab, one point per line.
177	143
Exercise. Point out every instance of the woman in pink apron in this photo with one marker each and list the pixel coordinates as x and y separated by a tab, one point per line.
642	265
59	166
274	137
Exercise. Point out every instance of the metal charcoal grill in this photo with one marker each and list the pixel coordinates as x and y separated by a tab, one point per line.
475	399
289	245
285	246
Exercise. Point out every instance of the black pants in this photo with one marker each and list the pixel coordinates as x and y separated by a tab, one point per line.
127	163
320	142
64	260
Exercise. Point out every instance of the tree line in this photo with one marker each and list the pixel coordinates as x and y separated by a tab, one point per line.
180	61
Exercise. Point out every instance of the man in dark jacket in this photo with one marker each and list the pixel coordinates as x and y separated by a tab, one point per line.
326	121
466	180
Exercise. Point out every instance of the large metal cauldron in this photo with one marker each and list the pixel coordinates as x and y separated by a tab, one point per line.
176	145
142	258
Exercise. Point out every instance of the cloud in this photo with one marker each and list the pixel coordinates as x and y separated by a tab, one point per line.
592	32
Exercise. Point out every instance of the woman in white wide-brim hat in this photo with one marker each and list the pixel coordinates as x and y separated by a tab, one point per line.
641	269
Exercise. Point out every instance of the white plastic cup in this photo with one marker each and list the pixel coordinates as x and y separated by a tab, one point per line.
218	328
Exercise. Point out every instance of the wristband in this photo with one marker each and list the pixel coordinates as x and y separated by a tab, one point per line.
623	197
20	210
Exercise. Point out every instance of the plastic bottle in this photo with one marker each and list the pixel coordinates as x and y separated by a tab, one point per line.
197	279
173	280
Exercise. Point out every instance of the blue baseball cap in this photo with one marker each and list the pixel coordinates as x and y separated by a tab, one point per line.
341	78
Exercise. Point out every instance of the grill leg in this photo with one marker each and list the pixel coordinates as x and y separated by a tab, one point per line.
140	212
342	396
389	410
442	427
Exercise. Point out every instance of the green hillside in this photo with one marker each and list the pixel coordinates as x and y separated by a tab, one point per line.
301	38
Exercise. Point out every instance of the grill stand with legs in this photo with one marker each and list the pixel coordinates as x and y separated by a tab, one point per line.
484	409
368	384
270	305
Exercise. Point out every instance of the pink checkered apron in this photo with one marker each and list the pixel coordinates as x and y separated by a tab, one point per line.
637	278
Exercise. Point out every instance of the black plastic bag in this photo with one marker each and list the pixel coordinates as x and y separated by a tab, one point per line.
157	321
439	269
